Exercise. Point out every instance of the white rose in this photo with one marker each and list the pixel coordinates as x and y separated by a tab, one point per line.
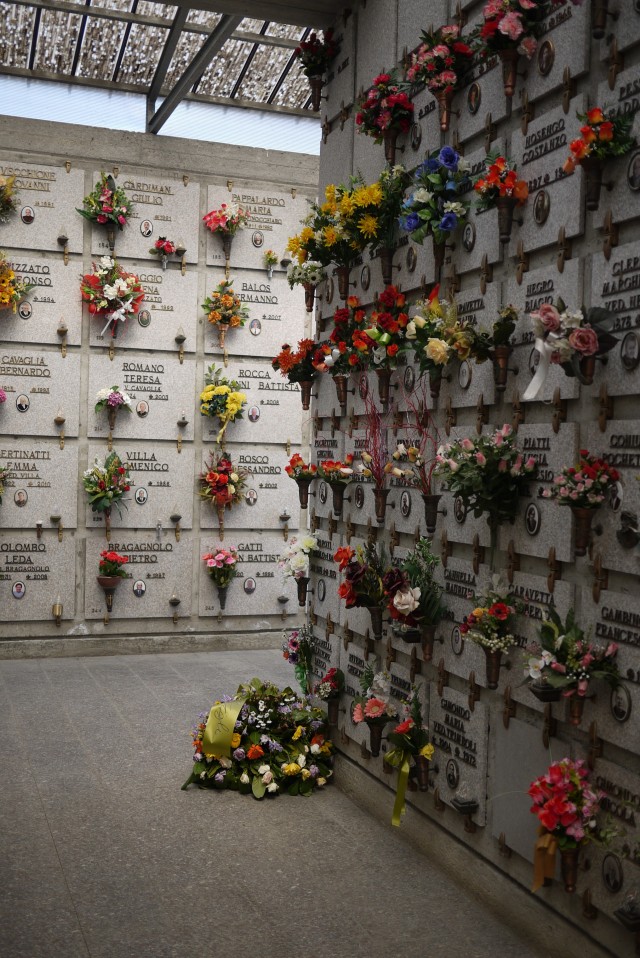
419	321
267	778
225	762
315	749
321	781
233	476
422	195
102	394
244	778
273	787
301	760
410	331
106	262
110	291
309	542
407	601
264	768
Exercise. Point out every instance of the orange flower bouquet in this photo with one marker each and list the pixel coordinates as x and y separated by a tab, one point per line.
225	309
297	366
602	137
501	188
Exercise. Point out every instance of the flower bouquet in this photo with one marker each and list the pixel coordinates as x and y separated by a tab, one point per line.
111	571
432	208
572	339
221	484
386	330
375	455
437	337
308	274
108	205
270	259
564	662
414	465
262	741
566	806
384	235
441	62
347	347
415	598
500	188
496	345
603	137
222	568
294	563
364	571
303	474
489	473
298	367
490	626
4	472
385	111
163	248
8	198
113	401
112	292
329	689
338	475
221	399
411	753
106	484
583	488
314	56
225	310
374	706
225	222
297	649
12	289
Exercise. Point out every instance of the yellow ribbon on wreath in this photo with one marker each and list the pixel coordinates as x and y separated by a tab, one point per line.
221	724
401	760
544	858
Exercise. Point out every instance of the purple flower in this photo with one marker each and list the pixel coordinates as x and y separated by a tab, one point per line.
274	746
315	725
239	754
314	771
410	223
449	158
220	776
115	399
448	222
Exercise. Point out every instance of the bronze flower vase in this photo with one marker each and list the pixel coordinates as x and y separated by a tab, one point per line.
593	168
342	273
309	296
333	710
445	98
599	13
544	692
220	512
380	496
386	264
375	738
390	138
500	356
301	585
422	772
305	393
341	389
587	370
569	867
584	518
337	491
107	522
435	381
112	415
384	383
439	249
428	638
315	85
431	511
509	60
576	709
222	596
227	240
505	206
493	657
109	584
375	611
303	484
222	332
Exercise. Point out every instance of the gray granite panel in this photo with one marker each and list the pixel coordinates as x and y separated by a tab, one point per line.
34	574
47	200
40	474
40	385
340	86
54	300
615	285
563	44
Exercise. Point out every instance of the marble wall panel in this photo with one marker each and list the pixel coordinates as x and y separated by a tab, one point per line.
38	481
563	44
46	208
40	385
615	285
340	86
34	574
54	300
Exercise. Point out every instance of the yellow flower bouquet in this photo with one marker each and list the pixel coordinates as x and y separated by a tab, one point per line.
12	289
221	399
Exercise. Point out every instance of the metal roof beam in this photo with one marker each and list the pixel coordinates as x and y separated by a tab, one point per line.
219	36
318	13
166	56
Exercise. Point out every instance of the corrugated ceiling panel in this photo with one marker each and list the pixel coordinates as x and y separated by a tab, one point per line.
57	38
188	46
100	48
15	35
220	76
142	54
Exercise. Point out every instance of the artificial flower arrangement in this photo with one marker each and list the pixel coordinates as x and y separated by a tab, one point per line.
392	182
8	197
496	344
491	625
222	569
338	475
221	484
227	220
297	366
4	472
163	248
221	399
12	289
270	258
499	188
437	337
441	62
572	339
112	564
316	54
374	706
385	111
297	649
294	563
107	204
414	465
603	137
564	662
583	487
262	741
106	484
329	689
414	597
225	309
303	474
489	473
363	587
113	401
386	330
411	753
346	349
431	209
309	273
112	292
566	806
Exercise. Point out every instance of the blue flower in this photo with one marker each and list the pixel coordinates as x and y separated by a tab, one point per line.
449	158
410	223
408	203
428	166
448	222
451	186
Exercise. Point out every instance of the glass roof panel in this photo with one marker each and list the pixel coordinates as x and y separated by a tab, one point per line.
222	73
286	30
57	38
188	46
124	6
251	26
294	91
142	54
263	73
100	48
15	36
165	11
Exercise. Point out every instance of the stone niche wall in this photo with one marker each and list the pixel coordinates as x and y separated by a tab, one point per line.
48	377
491	745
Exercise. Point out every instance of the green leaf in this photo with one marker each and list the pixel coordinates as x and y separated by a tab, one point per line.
258	787
294	788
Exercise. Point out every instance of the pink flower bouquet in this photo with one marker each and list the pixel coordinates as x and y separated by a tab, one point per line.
221	565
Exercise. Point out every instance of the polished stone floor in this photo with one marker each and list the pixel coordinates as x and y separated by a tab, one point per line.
102	855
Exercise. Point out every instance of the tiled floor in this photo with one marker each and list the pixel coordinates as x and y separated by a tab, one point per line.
102	855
